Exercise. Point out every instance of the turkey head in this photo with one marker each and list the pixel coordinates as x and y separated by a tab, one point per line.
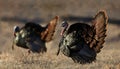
33	36
82	41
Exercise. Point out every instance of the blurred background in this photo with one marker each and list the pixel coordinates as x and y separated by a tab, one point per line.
18	12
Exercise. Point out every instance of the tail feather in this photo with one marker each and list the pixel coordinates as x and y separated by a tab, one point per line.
49	30
99	25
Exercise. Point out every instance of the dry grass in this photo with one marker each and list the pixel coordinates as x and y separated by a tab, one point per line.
108	58
50	61
16	12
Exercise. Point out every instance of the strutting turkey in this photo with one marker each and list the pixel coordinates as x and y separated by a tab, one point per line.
81	41
33	36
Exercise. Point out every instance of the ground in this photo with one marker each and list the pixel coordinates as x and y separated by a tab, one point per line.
14	12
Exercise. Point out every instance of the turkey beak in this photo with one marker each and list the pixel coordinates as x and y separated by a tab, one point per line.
16	29
64	27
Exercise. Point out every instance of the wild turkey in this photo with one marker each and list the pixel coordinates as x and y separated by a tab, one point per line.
81	41
33	36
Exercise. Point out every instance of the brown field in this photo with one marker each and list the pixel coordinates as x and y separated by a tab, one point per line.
17	12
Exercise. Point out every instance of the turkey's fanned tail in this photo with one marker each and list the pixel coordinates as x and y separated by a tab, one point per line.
99	26
49	30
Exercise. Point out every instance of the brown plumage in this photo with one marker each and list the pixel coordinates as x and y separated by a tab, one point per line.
33	36
50	29
99	25
81	41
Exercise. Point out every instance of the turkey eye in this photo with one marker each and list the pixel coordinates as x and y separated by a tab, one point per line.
65	40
